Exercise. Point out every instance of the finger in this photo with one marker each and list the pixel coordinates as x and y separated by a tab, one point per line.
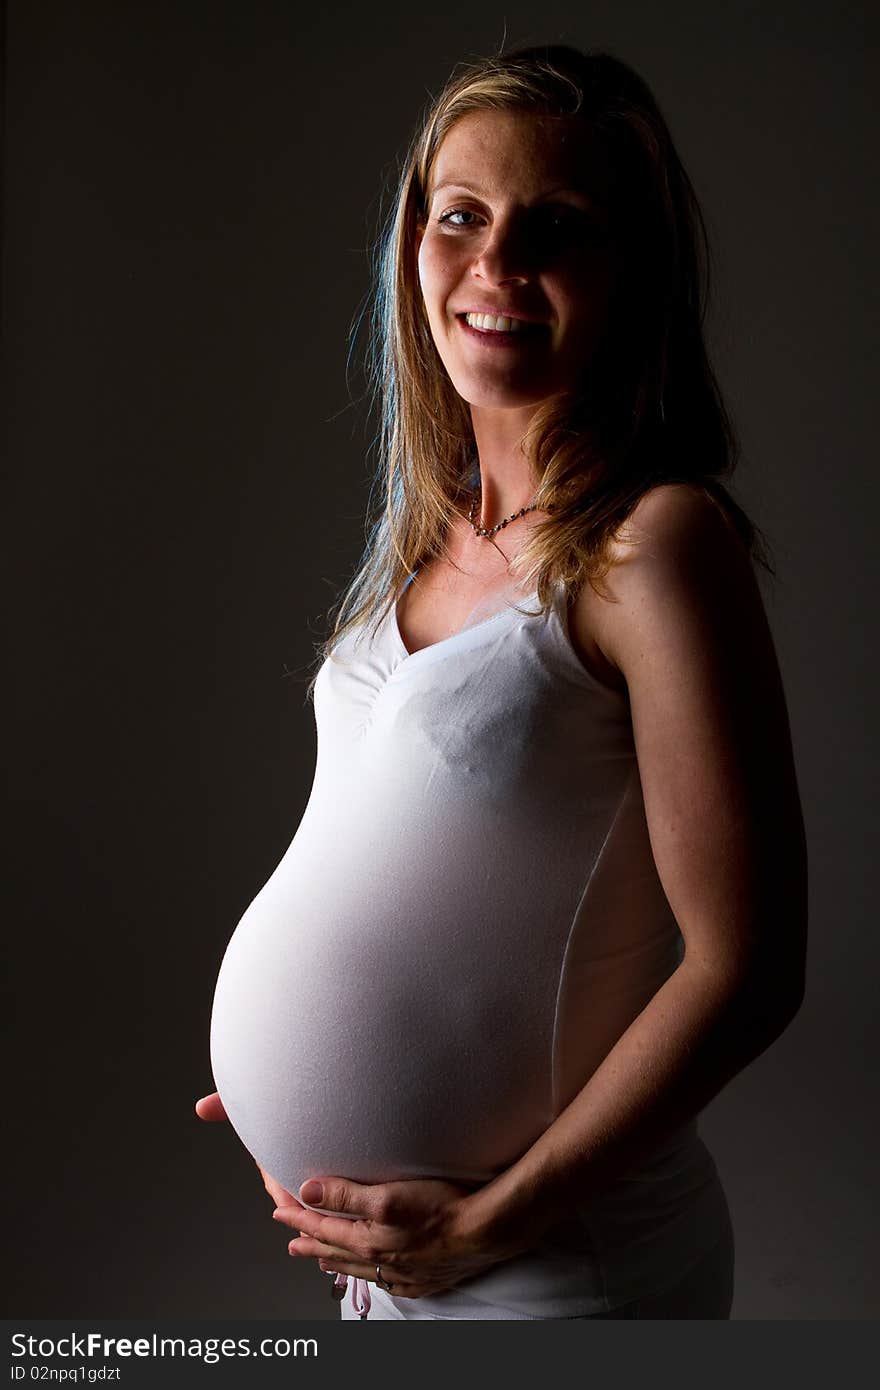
355	1269
356	1238
367	1202
211	1108
289	1212
313	1249
280	1196
399	1288
342	1262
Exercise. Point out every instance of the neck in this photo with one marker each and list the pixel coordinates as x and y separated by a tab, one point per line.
506	479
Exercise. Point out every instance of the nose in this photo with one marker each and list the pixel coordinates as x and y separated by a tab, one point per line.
504	256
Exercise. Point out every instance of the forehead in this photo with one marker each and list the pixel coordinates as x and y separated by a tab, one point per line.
500	151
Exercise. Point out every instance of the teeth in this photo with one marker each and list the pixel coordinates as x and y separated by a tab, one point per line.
491	324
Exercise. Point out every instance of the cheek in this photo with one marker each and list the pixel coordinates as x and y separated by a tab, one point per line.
434	288
588	298
432	293
437	273
423	272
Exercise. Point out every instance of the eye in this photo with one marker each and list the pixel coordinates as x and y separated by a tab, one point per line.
560	229
566	220
456	212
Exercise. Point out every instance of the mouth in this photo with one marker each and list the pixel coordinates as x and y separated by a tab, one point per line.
500	329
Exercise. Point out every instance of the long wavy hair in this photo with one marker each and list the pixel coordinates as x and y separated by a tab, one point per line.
649	409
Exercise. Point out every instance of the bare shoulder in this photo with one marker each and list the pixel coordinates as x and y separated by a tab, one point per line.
677	549
676	526
676	521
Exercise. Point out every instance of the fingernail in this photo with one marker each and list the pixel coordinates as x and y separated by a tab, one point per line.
312	1191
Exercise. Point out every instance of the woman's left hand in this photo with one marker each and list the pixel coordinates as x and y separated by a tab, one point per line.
427	1235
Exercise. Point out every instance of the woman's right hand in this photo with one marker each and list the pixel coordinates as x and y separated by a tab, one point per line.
210	1108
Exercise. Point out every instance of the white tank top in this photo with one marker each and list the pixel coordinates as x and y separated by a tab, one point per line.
467	919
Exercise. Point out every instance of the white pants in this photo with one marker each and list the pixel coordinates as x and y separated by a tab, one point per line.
706	1291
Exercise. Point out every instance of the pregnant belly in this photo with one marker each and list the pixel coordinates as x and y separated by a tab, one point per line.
375	1041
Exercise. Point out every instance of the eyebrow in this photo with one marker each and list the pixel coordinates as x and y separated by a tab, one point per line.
481	193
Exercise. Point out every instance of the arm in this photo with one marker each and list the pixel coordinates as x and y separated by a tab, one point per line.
688	631
685	1045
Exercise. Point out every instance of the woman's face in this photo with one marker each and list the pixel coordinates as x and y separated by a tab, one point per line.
516	227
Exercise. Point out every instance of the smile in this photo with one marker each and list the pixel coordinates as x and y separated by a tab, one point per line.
488	323
495	331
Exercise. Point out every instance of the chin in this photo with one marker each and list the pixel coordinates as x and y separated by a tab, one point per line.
497	396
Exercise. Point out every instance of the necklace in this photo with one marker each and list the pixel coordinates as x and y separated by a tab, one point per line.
490	531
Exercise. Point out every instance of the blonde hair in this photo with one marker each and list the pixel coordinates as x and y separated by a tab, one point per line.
649	409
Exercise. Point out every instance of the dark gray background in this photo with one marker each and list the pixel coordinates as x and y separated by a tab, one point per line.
190	191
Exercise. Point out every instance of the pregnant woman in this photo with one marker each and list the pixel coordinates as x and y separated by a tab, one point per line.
549	893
